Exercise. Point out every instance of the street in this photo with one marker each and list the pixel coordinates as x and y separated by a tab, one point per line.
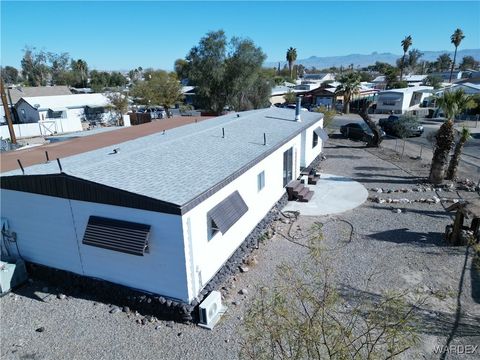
471	152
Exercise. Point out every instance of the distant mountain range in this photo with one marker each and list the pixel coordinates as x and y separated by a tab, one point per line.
361	60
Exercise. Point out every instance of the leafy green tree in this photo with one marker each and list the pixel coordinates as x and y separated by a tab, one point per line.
158	88
59	68
328	115
99	80
291	58
80	71
207	71
116	79
443	62
135	74
290	97
9	75
244	75
181	68
455	39
468	62
228	73
435	81
349	86
118	104
452	103
465	135
35	70
406	43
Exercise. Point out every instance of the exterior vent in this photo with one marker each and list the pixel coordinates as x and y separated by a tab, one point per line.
322	134
211	309
117	235
228	212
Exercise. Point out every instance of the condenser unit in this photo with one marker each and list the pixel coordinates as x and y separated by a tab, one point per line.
211	309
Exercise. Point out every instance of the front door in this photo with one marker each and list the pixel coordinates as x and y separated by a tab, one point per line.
287	166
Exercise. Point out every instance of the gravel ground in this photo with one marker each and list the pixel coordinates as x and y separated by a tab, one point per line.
399	250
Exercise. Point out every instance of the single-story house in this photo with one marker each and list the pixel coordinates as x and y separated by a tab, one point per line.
400	101
75	107
162	213
329	97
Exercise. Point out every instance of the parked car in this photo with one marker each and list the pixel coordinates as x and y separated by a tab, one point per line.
401	126
358	131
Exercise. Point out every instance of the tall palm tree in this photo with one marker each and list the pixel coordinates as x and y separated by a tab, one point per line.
406	43
456	39
291	58
349	85
465	135
452	103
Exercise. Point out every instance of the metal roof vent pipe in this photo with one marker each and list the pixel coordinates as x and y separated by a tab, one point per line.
297	109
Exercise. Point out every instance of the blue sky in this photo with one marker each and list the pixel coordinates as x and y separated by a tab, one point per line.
123	35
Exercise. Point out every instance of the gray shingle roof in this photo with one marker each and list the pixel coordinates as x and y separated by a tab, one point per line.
185	162
31	91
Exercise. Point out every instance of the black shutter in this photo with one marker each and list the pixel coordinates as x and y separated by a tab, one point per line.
117	235
228	212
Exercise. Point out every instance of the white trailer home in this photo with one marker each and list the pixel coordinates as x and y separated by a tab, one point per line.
400	101
162	213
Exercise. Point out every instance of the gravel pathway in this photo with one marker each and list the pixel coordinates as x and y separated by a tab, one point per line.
398	250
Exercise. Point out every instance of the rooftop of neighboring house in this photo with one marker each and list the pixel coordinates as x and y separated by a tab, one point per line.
408	90
17	93
185	162
407	78
323	76
61	102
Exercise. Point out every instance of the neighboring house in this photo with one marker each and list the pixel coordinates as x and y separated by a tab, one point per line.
75	107
380	82
468	88
400	101
317	78
328	96
278	93
189	93
48	115
166	211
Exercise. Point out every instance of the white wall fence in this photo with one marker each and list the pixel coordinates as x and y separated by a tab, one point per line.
43	128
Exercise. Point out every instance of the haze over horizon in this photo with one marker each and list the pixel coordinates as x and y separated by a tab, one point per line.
125	35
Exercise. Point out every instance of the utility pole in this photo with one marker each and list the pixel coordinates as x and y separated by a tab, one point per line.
6	108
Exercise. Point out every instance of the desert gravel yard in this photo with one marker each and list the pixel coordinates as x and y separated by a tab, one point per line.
389	244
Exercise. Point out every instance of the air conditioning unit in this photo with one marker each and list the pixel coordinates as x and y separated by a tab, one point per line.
211	309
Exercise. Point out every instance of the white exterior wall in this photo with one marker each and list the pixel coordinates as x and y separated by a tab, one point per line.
44	128
50	232
205	257
310	153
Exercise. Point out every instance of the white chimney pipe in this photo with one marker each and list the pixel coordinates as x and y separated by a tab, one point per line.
297	109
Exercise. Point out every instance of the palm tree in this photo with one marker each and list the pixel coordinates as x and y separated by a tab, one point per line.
406	43
456	39
291	57
465	135
452	103
349	85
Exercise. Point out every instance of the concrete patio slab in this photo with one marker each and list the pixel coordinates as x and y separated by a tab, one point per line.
333	194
